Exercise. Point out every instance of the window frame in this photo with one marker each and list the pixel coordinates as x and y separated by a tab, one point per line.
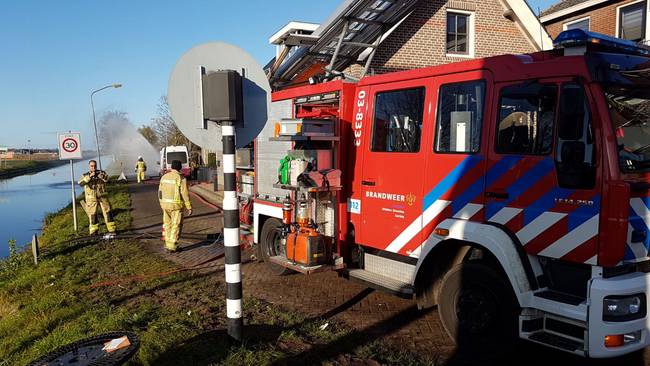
566	25
645	18
590	126
497	115
437	118
470	33
374	116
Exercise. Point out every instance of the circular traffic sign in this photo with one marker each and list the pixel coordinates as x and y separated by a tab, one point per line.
70	145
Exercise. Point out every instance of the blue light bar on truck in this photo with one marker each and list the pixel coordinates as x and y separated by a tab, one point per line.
579	37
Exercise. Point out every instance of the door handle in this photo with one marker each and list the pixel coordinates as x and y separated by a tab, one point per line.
497	195
368	183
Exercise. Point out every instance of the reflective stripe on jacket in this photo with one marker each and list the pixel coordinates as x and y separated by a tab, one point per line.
173	193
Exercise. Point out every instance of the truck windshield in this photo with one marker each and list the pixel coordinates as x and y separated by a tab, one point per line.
177	155
629	109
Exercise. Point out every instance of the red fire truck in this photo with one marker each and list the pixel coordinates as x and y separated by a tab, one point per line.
513	192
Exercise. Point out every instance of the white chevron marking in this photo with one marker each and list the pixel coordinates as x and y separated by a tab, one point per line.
505	215
468	211
573	239
538	226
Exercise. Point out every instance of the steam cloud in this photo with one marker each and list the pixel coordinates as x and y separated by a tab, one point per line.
122	143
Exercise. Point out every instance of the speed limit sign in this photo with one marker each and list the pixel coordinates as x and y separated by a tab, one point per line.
69	146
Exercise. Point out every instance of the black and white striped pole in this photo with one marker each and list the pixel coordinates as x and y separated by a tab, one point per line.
229	88
231	234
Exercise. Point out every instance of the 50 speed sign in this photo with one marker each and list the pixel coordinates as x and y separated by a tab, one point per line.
69	146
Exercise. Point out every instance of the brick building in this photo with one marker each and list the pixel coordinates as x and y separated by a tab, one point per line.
420	40
619	18
430	32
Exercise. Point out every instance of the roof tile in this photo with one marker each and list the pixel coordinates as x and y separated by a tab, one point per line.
564	4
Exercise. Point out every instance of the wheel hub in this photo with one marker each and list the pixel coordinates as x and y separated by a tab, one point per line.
476	309
276	247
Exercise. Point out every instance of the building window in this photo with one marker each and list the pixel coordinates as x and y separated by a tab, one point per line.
526	115
631	21
398	120
458	33
460	116
577	24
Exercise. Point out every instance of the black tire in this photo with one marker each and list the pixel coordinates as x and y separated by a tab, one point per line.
270	245
478	310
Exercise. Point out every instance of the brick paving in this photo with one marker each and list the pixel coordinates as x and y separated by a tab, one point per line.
373	314
199	233
325	295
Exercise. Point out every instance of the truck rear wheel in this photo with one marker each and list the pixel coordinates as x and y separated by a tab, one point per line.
478	310
271	245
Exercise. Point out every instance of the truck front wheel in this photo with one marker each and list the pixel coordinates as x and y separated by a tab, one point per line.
478	310
271	245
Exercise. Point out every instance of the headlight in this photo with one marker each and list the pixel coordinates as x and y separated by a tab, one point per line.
624	308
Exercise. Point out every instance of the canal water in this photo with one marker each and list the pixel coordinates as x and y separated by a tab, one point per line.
25	200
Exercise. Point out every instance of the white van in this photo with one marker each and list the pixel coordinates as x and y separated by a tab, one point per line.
171	153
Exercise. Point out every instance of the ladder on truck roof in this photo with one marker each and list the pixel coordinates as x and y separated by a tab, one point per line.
357	26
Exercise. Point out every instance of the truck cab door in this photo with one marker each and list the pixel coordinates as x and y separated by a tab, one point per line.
454	180
395	146
543	183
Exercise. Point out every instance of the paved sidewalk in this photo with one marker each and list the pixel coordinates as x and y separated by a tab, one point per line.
373	314
198	233
205	191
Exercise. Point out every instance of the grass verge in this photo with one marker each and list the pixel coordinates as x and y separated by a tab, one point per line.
10	168
179	318
9	165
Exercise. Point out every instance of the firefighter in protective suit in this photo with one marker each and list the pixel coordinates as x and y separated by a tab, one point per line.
94	184
140	168
173	197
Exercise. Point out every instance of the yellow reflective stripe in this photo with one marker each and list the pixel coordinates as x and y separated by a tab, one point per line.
168	181
169	200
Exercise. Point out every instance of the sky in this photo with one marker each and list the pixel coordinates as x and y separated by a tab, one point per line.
54	53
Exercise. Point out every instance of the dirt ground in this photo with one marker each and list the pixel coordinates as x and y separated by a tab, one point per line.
373	315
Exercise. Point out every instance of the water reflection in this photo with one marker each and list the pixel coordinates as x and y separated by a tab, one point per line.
25	200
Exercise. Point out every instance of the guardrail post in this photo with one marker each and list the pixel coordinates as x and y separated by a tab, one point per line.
35	249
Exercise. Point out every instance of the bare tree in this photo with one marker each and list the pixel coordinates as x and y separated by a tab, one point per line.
165	127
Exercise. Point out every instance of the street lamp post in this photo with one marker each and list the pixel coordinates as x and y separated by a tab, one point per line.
92	104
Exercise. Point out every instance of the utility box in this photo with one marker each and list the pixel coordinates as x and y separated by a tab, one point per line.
321	158
222	96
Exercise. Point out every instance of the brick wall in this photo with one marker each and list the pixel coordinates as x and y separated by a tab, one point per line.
420	40
602	19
